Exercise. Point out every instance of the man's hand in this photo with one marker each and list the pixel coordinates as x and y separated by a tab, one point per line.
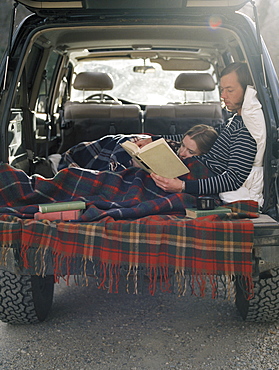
168	185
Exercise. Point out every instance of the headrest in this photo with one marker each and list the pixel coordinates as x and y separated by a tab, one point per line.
194	82
96	81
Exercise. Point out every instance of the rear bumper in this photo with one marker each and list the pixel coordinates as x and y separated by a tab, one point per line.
266	244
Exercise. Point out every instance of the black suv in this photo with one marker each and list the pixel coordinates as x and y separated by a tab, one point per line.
79	70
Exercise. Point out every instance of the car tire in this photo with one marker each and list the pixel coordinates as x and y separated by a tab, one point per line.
264	305
25	299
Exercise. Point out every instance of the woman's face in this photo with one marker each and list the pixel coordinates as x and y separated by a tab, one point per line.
188	148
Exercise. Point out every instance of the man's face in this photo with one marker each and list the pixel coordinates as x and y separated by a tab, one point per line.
232	92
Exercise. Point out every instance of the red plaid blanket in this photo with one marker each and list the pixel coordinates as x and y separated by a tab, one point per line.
204	249
143	240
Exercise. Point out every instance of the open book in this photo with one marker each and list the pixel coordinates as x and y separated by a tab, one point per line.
157	157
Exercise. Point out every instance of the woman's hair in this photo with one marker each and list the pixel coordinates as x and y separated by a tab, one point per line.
203	135
242	71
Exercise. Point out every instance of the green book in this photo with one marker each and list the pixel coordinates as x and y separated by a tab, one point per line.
194	212
61	206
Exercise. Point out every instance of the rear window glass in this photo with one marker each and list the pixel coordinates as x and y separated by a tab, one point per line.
156	86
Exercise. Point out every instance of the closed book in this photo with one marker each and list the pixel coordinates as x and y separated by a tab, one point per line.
194	212
63	215
61	206
157	157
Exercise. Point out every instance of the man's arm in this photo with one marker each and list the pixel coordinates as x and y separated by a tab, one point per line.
239	165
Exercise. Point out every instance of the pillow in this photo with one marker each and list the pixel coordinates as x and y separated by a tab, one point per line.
253	118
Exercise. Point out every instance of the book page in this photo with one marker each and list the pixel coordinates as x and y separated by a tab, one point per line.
162	160
157	157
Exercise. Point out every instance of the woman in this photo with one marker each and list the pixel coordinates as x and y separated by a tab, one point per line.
197	141
106	154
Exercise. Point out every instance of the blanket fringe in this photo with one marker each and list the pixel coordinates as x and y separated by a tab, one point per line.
4	254
137	278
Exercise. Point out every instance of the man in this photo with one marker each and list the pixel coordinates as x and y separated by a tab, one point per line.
234	80
231	157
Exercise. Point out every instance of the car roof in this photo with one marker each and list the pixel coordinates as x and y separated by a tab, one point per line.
131	6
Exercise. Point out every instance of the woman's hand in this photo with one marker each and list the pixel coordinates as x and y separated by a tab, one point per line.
142	142
168	185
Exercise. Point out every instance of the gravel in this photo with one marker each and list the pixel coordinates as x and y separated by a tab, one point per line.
90	329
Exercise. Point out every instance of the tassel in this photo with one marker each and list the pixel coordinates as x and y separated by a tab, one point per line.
4	253
23	255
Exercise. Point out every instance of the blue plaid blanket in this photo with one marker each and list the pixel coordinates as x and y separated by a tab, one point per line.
105	154
99	173
128	194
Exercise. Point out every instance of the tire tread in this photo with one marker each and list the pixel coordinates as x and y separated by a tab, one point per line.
264	305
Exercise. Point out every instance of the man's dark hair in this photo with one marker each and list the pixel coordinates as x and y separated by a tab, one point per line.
242	71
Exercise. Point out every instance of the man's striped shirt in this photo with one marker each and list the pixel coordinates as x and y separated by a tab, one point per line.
230	158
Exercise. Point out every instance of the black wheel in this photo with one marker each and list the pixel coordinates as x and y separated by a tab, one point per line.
25	299
264	306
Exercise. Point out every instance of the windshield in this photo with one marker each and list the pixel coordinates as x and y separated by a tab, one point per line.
155	86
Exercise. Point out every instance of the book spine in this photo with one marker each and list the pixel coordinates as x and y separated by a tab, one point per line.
202	213
61	206
53	216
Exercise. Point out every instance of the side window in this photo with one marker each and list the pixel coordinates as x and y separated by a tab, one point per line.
28	75
46	83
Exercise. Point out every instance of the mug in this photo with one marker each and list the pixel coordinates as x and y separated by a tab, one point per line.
205	203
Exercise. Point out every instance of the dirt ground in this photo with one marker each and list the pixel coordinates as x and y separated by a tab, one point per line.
90	329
